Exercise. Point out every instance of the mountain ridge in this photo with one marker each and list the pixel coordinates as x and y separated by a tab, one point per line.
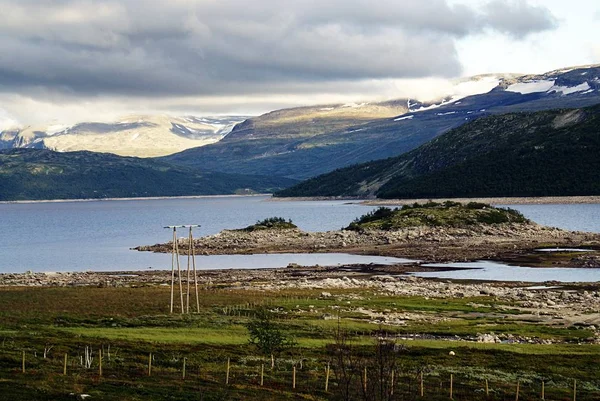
544	153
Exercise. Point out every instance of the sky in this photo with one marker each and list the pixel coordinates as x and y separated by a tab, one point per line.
82	60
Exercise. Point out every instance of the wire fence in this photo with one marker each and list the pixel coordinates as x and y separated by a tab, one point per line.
323	378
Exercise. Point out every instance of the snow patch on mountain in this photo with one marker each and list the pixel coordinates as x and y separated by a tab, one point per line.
525	88
404	118
567	90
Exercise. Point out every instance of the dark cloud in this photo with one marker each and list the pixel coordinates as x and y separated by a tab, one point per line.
209	47
517	18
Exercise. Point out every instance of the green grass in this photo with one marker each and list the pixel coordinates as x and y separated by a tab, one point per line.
134	323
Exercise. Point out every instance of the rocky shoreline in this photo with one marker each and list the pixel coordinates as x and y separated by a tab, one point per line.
429	244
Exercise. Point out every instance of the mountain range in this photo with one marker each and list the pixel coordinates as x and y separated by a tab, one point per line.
304	142
140	136
39	174
285	145
544	153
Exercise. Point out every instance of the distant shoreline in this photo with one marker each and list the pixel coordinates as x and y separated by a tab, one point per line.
540	200
132	199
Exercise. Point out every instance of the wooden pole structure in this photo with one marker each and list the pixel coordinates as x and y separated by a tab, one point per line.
392	384
227	376
179	275
294	377
195	273
183	373
262	374
487	389
518	385
173	267
23	364
543	391
365	379
451	380
421	384
575	390
65	366
150	364
189	262
327	377
100	362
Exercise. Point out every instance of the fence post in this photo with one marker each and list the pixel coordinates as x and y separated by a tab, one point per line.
327	377
227	376
262	374
294	377
23	364
575	390
517	397
365	380
421	385
451	382
100	362
65	366
392	382
543	395
183	373
487	388
150	364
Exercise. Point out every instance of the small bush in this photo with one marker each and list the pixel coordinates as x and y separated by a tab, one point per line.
271	223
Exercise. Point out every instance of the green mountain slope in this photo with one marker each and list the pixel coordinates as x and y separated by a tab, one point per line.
543	153
32	174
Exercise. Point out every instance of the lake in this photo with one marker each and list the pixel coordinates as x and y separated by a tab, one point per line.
98	235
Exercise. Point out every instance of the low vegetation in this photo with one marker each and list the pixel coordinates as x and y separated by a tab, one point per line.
271	223
447	214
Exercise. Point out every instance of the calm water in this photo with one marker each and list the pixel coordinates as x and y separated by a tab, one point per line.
494	271
568	217
71	236
77	236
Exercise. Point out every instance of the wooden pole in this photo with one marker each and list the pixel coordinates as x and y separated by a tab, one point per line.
487	389
195	273
150	364
575	390
100	362
543	391
421	384
179	275
451	382
23	364
365	379
294	377
65	366
262	374
227	376
187	304
173	267
517	397
183	373
327	377
392	387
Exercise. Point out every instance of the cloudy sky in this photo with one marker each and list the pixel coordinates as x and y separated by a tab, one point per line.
70	60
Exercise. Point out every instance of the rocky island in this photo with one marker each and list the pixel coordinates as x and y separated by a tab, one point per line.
430	232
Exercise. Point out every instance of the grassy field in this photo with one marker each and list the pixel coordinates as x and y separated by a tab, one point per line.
131	326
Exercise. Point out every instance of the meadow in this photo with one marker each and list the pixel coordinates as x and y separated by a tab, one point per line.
144	348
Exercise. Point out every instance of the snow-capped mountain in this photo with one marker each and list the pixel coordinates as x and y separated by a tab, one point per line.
141	136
